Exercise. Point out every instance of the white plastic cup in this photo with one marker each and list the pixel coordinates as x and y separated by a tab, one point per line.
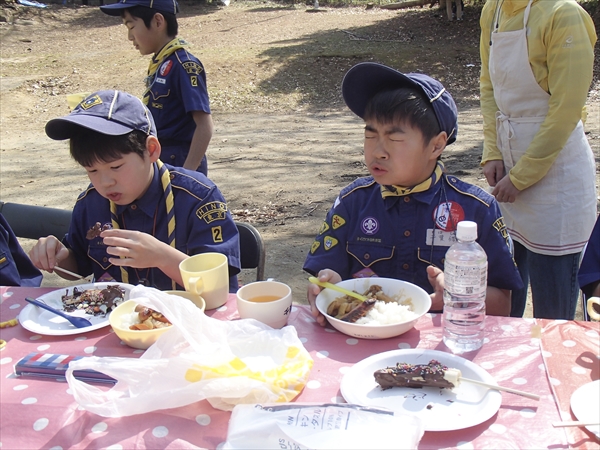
269	302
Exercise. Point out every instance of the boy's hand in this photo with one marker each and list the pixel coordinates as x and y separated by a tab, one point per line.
436	279
314	290
47	253
132	248
141	250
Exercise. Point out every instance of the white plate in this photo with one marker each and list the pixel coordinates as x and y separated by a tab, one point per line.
439	409
584	406
38	320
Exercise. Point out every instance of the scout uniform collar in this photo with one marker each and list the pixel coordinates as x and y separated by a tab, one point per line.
165	180
399	191
158	59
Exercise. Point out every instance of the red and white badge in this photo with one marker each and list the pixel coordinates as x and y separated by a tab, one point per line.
165	68
447	215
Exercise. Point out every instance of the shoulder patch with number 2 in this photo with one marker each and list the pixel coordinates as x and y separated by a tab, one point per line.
217	234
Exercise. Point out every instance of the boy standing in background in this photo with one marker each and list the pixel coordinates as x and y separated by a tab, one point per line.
176	93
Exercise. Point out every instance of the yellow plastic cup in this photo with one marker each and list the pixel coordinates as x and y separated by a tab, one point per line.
207	274
590	308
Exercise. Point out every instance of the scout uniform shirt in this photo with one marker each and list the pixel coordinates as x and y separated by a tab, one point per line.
175	90
202	224
16	269
366	234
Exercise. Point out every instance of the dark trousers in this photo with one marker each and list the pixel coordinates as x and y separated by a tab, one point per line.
554	286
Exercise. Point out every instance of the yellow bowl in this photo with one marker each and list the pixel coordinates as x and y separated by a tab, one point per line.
141	339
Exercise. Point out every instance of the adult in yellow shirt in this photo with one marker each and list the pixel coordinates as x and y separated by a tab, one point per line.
536	68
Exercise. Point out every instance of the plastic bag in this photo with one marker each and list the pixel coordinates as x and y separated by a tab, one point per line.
227	363
321	426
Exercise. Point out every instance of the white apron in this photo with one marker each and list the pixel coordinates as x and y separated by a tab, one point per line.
556	215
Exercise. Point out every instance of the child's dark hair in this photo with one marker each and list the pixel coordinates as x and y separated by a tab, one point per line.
147	14
404	105
88	146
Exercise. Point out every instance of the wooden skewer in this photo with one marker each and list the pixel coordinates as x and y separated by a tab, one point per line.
73	274
501	388
575	423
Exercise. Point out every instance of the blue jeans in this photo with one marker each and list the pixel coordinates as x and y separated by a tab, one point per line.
554	286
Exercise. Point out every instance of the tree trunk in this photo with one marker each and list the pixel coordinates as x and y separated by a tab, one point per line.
406	4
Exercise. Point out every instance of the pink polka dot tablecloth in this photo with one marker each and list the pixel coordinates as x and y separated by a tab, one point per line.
571	351
39	413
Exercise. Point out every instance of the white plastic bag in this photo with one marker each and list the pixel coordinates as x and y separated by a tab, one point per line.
227	363
320	426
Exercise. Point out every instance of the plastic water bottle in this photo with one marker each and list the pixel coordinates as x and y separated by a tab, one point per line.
465	279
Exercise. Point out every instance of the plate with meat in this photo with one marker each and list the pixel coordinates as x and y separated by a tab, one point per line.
93	301
425	383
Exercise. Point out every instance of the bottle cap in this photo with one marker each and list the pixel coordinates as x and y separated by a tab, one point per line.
466	230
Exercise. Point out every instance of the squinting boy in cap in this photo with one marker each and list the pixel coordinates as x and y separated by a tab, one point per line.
400	221
176	91
139	218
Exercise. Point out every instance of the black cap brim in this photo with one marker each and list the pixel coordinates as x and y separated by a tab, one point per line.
65	127
364	80
115	9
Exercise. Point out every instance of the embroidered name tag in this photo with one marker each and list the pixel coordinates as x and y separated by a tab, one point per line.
192	67
212	211
440	238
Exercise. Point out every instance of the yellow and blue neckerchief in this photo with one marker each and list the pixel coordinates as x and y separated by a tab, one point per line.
158	59
165	179
398	191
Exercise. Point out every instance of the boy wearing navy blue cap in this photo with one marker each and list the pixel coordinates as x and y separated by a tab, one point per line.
139	218
400	221
176	92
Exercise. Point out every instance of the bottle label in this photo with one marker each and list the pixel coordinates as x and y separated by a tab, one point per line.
465	279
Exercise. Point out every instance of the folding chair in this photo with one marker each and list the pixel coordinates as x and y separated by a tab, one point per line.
252	249
34	222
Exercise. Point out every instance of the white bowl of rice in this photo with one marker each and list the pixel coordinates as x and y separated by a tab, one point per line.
384	320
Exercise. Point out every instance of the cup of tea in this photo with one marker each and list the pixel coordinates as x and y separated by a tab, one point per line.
590	308
206	275
269	302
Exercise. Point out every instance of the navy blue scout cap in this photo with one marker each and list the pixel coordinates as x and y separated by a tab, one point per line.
166	6
364	80
107	112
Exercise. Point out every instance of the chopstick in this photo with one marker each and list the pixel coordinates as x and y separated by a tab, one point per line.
73	274
501	388
335	287
574	423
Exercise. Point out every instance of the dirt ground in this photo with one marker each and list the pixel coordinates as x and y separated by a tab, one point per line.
284	143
